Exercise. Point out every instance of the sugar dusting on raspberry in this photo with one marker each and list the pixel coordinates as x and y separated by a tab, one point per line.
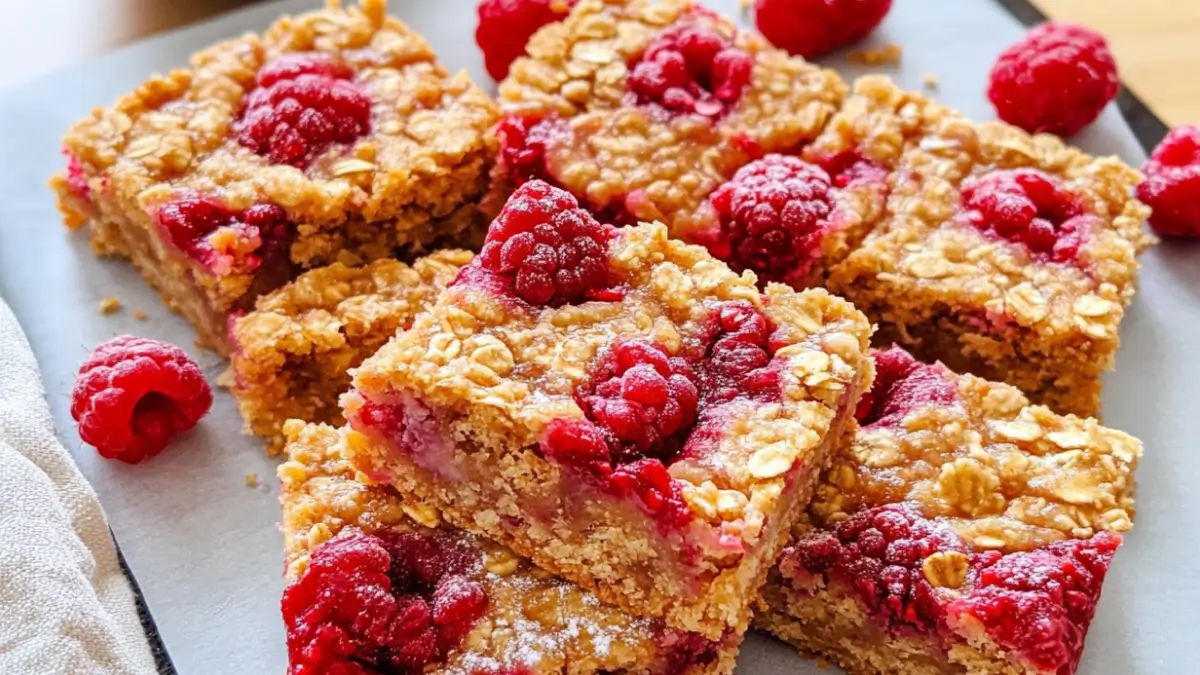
691	68
388	602
772	216
813	28
1056	79
1028	207
1172	185
505	26
134	395
224	241
302	104
902	384
546	250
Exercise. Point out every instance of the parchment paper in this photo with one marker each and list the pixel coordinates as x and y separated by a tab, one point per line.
205	547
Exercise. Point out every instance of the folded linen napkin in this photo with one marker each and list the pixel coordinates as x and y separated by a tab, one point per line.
65	605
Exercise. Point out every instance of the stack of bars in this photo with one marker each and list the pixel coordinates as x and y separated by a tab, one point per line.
644	414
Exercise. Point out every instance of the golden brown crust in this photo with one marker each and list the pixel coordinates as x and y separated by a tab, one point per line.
291	355
533	619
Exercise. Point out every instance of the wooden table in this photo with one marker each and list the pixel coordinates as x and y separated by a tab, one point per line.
1157	42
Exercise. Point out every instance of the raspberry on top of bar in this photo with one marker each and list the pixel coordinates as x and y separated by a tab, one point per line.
379	585
641	109
964	530
334	135
616	405
290	357
1003	254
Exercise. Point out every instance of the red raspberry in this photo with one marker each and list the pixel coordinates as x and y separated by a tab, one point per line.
391	602
260	231
690	68
772	216
547	249
1028	207
813	28
902	384
76	179
684	650
506	25
1056	79
132	396
303	103
523	143
738	362
1172	185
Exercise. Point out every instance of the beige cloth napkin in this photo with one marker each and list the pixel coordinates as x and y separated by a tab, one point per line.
65	606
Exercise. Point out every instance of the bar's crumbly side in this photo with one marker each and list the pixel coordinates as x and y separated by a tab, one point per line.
616	405
334	136
378	585
290	357
963	531
1007	255
642	109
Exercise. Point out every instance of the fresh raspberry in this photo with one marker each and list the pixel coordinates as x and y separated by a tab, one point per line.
813	28
1056	79
1028	207
547	249
391	602
879	553
302	104
506	25
642	396
902	384
738	362
690	68
772	216
198	225
1054	588
1172	185
132	396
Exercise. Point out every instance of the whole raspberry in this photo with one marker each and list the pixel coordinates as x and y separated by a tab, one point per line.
506	25
523	145
772	215
813	28
1028	207
1056	79
547	249
303	103
902	384
221	240
1172	185
738	361
690	68
133	395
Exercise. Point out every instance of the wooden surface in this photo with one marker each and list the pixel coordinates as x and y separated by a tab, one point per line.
1157	42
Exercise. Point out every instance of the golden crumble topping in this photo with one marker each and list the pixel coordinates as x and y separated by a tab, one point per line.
292	354
532	618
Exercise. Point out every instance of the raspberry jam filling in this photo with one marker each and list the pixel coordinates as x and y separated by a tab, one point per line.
1028	207
225	241
771	218
390	603
302	104
1037	603
850	168
690	69
76	179
902	384
644	408
545	250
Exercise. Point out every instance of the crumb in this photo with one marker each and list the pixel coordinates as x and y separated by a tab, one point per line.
139	315
109	305
930	80
251	480
887	55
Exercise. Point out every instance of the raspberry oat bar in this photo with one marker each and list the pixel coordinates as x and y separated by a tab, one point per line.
1003	254
964	531
333	136
643	108
377	585
617	406
290	356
